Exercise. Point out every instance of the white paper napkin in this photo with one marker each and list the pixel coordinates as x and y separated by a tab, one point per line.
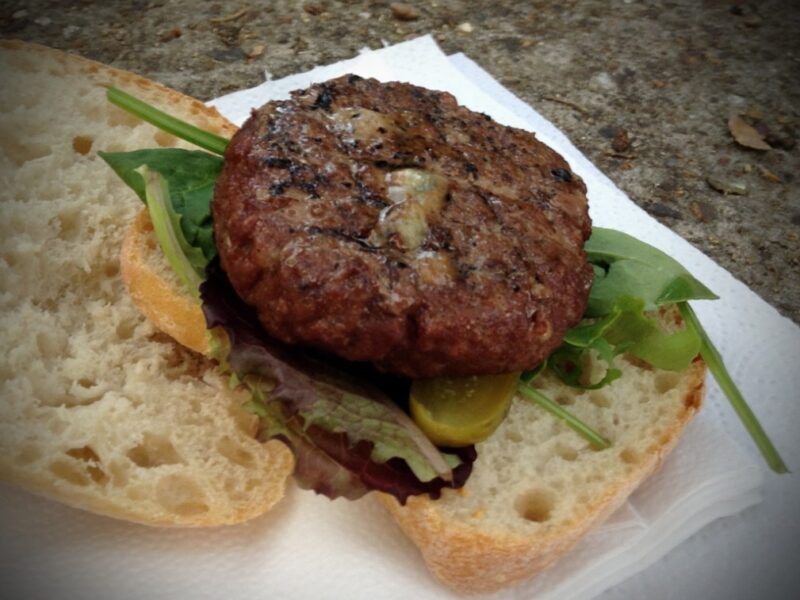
310	547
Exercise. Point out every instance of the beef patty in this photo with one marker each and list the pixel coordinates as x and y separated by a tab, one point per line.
386	223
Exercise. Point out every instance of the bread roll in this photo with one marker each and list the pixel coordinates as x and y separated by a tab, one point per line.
537	486
99	409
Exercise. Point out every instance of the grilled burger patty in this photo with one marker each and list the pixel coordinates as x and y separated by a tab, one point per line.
386	223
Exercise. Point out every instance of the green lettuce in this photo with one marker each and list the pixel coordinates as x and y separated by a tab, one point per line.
165	221
190	176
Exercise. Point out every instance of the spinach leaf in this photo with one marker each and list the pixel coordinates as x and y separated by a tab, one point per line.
190	175
626	328
625	266
634	332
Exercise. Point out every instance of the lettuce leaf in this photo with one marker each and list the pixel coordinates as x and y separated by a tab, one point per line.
166	226
347	435
190	176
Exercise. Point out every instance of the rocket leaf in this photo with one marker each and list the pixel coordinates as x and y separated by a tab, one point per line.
625	266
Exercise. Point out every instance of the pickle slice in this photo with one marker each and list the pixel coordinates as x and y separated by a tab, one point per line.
459	411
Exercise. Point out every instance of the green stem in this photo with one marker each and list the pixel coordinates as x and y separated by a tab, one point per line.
597	440
181	129
157	195
717	367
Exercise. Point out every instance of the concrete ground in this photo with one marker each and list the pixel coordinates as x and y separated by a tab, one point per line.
645	89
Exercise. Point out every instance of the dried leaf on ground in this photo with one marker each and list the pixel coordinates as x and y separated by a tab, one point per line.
621	140
313	8
727	186
769	175
702	211
404	12
745	134
230	17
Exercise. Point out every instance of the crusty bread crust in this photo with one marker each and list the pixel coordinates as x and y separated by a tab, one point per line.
478	554
98	74
140	510
99	410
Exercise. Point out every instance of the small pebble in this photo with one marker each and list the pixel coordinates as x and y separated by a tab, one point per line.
603	81
172	34
465	27
658	209
254	51
227	54
404	12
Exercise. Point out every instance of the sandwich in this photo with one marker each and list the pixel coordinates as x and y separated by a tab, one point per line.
380	224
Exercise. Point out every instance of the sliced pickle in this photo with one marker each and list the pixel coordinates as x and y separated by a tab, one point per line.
459	411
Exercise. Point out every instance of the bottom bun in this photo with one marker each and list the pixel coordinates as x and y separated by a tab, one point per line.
538	487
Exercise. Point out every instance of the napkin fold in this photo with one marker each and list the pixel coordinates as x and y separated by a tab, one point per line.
311	547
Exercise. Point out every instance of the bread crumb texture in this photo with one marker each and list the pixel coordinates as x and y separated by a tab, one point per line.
97	408
537	486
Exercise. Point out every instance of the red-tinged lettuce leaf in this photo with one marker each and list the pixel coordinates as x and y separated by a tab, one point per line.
347	435
326	463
